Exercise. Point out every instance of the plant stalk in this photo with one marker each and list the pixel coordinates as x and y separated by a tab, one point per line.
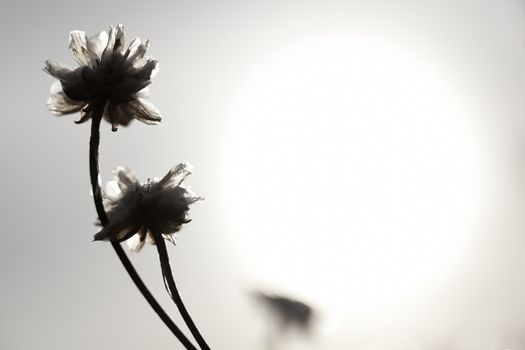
171	287
94	143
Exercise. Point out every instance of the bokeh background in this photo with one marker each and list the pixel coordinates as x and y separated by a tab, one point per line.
366	157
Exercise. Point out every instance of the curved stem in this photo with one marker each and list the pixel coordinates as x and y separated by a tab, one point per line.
171	287
97	196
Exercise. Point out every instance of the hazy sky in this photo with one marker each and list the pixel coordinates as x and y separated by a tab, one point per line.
364	156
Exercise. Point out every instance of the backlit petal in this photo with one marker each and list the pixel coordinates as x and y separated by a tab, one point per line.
57	70
136	51
96	45
112	190
176	175
149	238
79	48
125	178
146	71
59	104
119	38
108	51
136	242
144	93
144	111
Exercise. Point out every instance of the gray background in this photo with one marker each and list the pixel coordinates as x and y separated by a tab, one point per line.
364	156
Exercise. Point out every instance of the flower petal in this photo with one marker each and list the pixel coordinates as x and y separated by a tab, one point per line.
115	41
56	87
85	115
116	115
119	230
176	175
143	110
108	51
119	38
125	178
59	104
96	45
112	191
79	48
148	70
136	242
57	70
172	238
144	93
149	238
136	51
190	196
155	69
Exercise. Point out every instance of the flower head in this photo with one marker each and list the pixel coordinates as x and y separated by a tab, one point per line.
107	72
137	210
288	312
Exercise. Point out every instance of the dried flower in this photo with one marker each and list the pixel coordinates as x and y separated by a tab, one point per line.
137	210
107	73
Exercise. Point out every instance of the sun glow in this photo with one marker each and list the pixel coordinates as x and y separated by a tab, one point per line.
353	176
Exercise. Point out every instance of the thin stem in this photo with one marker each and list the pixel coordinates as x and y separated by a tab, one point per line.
97	196
94	143
171	287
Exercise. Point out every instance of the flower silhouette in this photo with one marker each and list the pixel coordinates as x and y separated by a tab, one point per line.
107	74
138	210
288	312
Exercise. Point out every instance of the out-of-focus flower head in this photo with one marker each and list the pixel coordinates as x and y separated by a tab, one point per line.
136	210
108	72
289	312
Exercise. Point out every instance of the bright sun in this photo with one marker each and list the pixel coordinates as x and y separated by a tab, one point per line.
353	173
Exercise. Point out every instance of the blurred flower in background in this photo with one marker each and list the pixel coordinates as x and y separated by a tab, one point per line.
286	314
107	74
